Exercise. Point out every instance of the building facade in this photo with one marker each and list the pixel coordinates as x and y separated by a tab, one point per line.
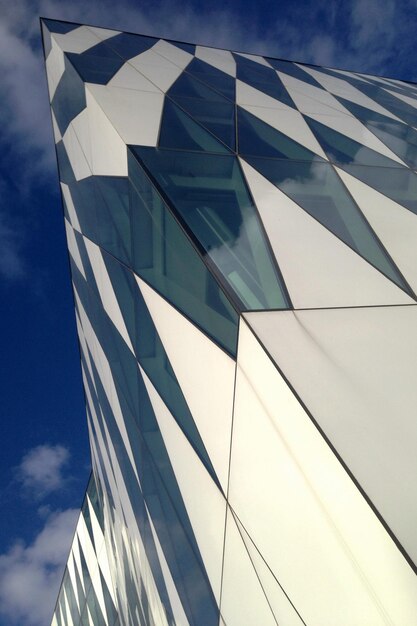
242	238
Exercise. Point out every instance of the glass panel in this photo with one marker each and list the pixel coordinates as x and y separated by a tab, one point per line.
220	81
69	97
401	109
129	46
180	131
166	259
263	78
96	69
55	26
343	150
209	195
257	138
399	184
317	189
188	47
293	70
400	138
217	117
188	87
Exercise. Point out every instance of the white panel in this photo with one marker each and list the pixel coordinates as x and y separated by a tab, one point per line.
76	155
97	532
243	600
82	132
255	58
395	225
109	155
70	207
156	68
174	54
103	562
103	33
340	87
71	571
57	132
354	129
55	67
317	533
207	514
69	620
205	374
134	115
78	40
128	77
107	295
87	546
289	122
96	583
346	73
318	268
176	605
284	611
222	59
311	99
355	371
247	95
73	248
77	559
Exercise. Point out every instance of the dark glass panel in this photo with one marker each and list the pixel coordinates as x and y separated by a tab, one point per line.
128	46
220	81
400	138
69	98
287	67
342	150
317	189
263	78
55	26
399	184
188	87
257	138
217	117
209	195
179	131
165	258
94	68
66	174
401	109
188	47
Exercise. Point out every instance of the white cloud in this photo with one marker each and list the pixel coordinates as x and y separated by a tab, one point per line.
40	471
30	575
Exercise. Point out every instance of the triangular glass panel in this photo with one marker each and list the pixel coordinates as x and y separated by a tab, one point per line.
179	131
128	46
69	98
291	69
97	64
209	196
188	47
399	137
263	78
56	26
206	106
318	190
215	78
394	105
257	138
165	258
345	151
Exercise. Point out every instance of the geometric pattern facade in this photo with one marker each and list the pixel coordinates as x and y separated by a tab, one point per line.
242	238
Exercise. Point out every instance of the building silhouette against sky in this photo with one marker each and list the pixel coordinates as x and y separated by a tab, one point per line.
242	238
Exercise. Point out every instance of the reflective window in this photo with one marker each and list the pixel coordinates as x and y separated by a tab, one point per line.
208	194
220	81
292	70
69	98
263	78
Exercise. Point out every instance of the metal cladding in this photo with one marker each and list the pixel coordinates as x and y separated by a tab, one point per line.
242	237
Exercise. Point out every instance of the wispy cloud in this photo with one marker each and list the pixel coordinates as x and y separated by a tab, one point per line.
41	470
30	575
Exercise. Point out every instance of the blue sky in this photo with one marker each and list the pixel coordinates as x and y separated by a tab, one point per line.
45	458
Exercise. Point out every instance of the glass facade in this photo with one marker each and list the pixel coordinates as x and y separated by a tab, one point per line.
242	240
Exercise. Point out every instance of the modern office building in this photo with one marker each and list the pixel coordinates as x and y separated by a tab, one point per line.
242	235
